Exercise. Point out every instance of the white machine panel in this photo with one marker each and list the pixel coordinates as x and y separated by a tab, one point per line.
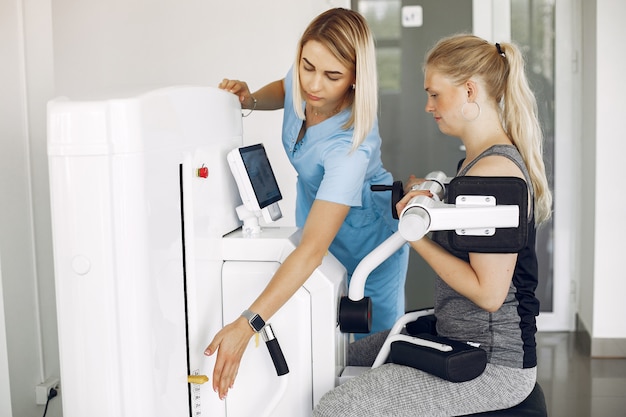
306	326
150	262
121	172
258	390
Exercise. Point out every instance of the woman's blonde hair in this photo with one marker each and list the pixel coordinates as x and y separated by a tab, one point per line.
348	37
501	68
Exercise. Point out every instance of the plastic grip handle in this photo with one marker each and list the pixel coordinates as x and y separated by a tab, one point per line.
277	357
414	223
378	187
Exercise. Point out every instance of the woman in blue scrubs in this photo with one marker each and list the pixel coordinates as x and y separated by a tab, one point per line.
330	134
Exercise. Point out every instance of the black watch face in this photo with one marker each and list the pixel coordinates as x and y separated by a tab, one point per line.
257	323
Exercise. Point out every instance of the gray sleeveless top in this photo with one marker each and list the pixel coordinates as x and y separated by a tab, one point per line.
507	335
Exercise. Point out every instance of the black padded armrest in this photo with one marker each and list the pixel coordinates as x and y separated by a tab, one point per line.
506	191
424	324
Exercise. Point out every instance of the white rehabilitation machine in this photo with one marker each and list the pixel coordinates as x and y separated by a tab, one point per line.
151	261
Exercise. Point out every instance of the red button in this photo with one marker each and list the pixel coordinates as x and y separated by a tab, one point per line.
203	172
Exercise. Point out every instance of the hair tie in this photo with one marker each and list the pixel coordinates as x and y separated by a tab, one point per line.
500	51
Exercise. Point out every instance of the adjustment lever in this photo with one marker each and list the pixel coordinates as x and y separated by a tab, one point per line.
397	192
275	351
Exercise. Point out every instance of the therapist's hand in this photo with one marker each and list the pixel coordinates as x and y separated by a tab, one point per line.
230	344
240	89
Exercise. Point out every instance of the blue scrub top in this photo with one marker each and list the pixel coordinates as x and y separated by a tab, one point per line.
328	170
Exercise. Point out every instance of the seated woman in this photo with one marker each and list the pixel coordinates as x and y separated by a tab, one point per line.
478	92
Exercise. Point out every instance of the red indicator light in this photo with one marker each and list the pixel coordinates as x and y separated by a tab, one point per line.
202	172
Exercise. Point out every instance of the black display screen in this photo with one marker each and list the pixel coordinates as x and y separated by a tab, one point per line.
261	174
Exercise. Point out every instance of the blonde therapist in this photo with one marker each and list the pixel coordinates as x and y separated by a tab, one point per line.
330	135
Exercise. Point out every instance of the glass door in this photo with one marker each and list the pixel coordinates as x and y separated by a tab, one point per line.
412	144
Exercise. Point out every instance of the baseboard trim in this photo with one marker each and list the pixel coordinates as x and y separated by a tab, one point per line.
604	348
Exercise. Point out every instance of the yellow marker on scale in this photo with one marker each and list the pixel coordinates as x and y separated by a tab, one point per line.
197	379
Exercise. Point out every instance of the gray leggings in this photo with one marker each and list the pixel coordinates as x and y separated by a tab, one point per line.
397	391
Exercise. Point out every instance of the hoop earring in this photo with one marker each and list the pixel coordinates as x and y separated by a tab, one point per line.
463	111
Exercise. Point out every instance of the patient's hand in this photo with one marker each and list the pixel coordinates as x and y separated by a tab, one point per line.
411	182
400	205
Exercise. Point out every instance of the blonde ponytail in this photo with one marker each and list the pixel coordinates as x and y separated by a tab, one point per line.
501	67
521	122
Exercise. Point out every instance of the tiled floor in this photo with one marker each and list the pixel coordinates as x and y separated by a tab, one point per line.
576	385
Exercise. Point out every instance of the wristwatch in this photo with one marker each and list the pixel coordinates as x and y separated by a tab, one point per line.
256	322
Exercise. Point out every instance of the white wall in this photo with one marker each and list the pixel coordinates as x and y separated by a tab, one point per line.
600	271
5	383
603	282
24	357
99	48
